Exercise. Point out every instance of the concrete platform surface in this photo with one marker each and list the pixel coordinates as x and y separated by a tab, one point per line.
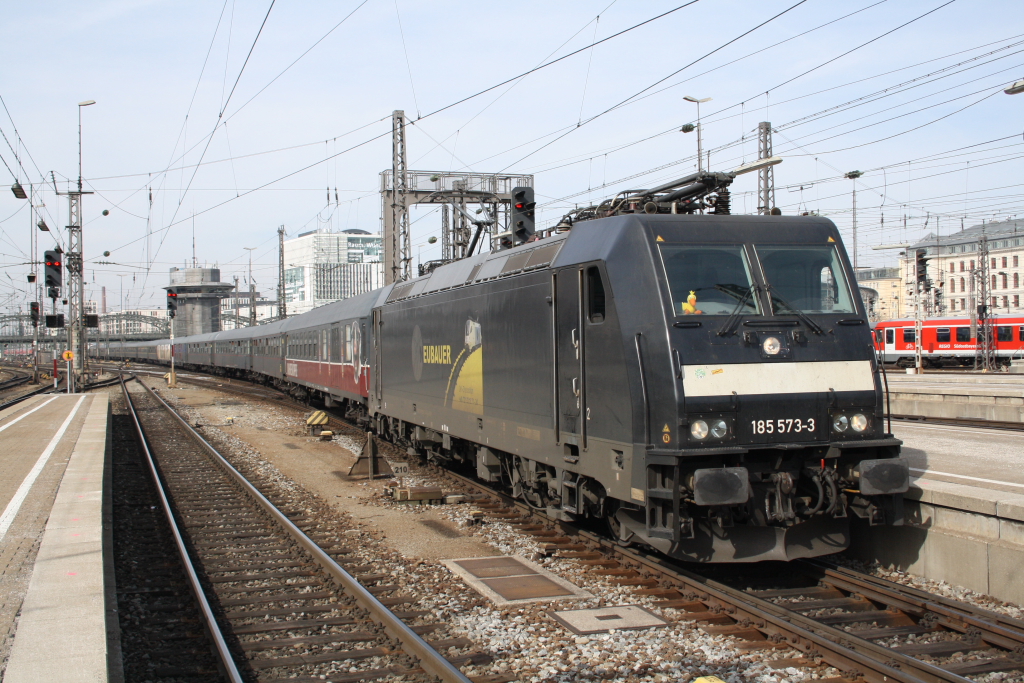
975	456
62	631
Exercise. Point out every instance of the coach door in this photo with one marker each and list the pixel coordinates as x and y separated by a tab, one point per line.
890	345
570	361
375	379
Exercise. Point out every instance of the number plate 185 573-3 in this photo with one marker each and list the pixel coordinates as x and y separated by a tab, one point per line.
784	425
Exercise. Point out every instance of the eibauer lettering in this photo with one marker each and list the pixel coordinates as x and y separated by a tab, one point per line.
438	354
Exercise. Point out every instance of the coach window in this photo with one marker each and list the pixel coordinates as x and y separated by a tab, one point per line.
335	344
890	335
942	334
963	334
908	335
595	295
1004	333
1020	333
348	343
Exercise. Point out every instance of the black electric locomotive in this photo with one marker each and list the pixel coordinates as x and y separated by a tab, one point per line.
704	383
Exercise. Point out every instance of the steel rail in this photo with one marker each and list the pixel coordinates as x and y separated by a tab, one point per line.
413	644
227	662
14	382
1003	630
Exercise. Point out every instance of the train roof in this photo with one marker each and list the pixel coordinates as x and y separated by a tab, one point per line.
960	320
602	238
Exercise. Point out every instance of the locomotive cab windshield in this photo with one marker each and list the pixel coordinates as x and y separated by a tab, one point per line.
712	279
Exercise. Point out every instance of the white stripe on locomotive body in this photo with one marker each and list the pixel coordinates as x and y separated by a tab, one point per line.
747	379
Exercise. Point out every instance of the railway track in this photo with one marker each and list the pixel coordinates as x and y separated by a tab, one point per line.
281	594
16	381
960	422
869	629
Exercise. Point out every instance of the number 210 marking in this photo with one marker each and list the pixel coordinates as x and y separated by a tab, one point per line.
781	426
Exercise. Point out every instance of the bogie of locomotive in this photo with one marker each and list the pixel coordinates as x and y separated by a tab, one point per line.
706	384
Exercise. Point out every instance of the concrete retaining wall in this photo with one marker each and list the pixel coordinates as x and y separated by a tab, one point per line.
968	536
1005	408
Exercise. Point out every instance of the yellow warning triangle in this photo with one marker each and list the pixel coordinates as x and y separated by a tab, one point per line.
659	239
831	240
666	429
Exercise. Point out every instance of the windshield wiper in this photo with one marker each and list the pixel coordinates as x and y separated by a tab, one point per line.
734	317
776	299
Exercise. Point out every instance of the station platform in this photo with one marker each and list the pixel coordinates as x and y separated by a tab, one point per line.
965	535
982	457
988	396
57	620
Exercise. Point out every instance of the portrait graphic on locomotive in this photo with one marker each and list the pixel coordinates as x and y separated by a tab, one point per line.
702	383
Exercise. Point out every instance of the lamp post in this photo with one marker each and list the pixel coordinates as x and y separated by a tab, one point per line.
700	149
1015	89
853	175
252	289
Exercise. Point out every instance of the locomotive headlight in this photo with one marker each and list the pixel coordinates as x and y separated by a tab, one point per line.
719	428
699	429
772	346
840	423
859	422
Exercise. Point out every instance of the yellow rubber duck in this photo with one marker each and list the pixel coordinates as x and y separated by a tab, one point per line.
690	307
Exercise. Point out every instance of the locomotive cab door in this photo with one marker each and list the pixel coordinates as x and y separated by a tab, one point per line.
570	362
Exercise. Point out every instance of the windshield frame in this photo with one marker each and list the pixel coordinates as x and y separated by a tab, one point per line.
842	277
751	268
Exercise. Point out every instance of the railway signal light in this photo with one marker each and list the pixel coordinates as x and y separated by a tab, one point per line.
921	270
92	320
172	302
523	209
55	320
54	276
33	308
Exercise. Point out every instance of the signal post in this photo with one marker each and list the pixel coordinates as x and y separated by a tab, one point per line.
172	308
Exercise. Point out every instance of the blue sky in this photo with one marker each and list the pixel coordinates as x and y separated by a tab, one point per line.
920	110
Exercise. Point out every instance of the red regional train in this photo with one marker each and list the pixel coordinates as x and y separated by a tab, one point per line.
947	341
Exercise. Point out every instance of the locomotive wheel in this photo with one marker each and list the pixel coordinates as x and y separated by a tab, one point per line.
615	529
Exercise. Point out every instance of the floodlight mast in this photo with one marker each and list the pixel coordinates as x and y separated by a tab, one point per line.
74	262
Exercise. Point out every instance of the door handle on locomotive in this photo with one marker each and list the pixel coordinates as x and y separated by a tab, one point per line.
575	386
